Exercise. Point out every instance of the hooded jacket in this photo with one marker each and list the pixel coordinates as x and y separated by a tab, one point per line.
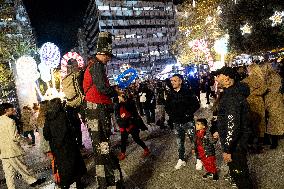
233	118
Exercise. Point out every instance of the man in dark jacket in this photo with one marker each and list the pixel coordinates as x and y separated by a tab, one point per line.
181	104
234	130
98	113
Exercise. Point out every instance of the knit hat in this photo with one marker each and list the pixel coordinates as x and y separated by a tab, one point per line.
104	43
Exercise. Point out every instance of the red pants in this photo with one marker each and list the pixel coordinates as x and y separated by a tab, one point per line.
209	162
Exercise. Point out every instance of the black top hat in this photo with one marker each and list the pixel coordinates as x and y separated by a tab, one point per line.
104	43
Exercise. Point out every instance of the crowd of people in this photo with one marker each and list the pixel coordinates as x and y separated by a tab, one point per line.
248	113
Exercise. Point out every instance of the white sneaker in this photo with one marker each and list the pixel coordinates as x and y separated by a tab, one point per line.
179	164
198	165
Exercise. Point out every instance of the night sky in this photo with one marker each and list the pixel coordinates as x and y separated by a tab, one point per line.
56	21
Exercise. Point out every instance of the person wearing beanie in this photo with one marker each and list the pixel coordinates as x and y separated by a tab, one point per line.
99	96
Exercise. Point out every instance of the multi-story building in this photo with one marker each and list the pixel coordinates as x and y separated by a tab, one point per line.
143	30
14	21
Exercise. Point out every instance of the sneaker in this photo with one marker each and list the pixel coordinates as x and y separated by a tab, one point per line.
38	182
179	164
215	177
146	152
198	165
121	156
207	175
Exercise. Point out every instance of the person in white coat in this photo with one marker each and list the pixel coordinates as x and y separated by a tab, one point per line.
11	152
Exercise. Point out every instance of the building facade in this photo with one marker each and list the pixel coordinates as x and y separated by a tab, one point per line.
143	30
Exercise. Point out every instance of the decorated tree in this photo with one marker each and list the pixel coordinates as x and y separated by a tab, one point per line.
16	40
17	47
197	20
254	26
7	92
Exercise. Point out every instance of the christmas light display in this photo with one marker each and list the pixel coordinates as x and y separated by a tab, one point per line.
221	45
122	81
66	58
202	45
26	75
27	69
50	55
277	18
45	74
246	29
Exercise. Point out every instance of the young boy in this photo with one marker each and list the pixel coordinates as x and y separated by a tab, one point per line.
205	150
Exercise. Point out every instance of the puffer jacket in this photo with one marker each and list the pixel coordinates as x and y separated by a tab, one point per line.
207	142
233	118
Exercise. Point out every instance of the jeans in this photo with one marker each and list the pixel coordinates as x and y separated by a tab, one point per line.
180	131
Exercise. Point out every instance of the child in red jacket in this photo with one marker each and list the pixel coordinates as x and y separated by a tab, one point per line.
205	150
129	122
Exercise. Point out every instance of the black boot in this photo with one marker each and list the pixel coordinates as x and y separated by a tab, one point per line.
274	141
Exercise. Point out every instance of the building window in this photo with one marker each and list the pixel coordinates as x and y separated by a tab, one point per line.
103	7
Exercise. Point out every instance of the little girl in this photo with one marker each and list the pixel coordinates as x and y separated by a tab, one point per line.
205	150
129	120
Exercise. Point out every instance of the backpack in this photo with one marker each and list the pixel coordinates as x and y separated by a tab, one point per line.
73	89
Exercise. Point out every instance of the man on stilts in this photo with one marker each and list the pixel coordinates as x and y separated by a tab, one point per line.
98	114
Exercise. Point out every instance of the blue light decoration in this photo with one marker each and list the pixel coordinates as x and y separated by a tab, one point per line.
122	83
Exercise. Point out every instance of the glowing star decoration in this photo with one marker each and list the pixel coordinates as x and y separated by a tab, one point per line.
50	55
277	18
246	29
27	69
66	58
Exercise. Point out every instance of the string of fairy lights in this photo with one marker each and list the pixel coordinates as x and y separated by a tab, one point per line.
201	20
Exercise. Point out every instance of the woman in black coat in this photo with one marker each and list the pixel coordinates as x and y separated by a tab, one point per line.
61	137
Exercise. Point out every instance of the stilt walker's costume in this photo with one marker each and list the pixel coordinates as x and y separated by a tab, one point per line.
98	113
